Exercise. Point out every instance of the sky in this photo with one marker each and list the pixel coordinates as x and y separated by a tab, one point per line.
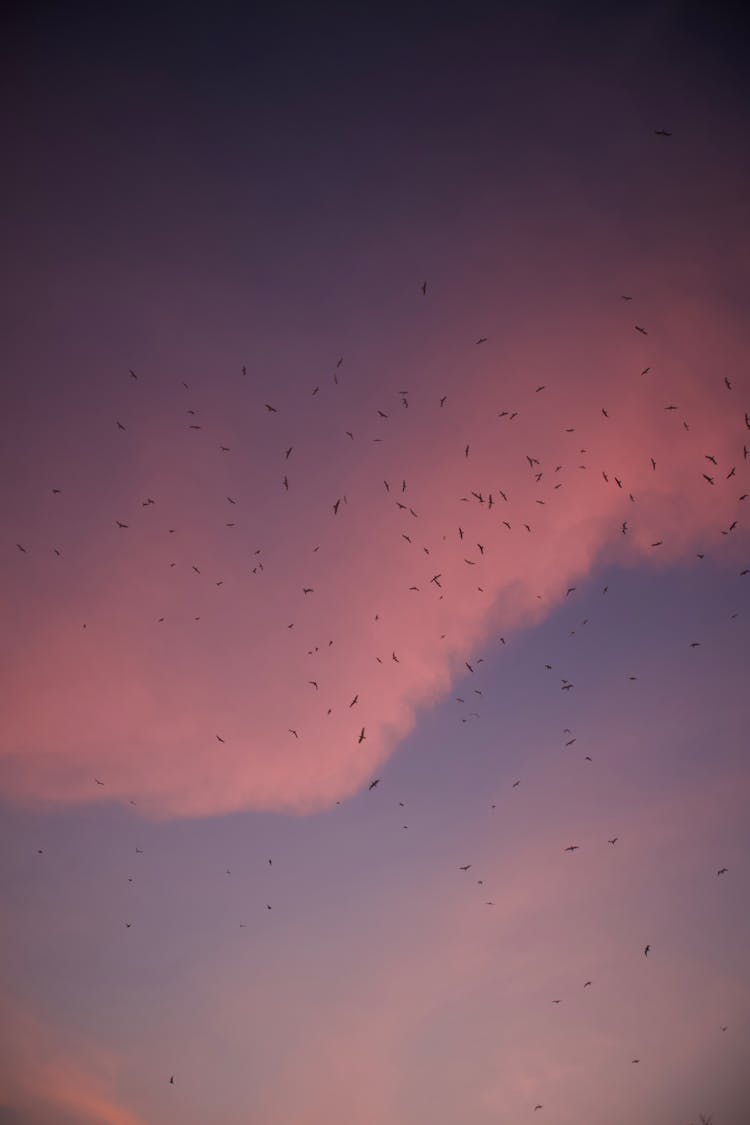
375	565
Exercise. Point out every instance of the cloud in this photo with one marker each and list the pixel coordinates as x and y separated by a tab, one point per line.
400	596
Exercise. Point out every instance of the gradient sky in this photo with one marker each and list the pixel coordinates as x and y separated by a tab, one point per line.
526	559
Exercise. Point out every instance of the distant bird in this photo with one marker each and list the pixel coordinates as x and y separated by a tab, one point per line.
572	848
538	1107
22	549
120	426
171	1080
219	738
119	524
98	782
361	736
271	409
424	288
308	590
641	330
646	950
356	697
374	783
293	731
661	133
482	340
587	983
465	867
722	871
727	383
613	840
443	400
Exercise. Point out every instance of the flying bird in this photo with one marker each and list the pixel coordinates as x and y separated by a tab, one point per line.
374	783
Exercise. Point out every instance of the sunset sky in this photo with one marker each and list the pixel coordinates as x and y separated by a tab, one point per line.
374	532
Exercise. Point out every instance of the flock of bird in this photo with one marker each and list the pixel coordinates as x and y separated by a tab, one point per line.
486	500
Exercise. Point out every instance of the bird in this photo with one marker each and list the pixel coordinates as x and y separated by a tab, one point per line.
614	840
374	783
219	738
722	871
465	867
424	288
572	848
171	1080
361	735
641	330
270	409
482	340
646	950
356	697
587	984
662	133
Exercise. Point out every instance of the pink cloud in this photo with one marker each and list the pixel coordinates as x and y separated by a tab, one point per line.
139	703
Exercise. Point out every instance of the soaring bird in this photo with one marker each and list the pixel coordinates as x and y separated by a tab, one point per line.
361	736
613	840
646	950
374	783
722	871
424	288
572	848
465	867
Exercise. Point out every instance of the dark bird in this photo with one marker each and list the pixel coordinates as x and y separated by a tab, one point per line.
646	950
271	409
98	782
443	400
20	548
661	133
722	871
424	288
374	783
482	340
465	867
571	848
641	330
613	840
219	738
361	736
171	1080
708	478
587	983
727	383
308	590
356	697
119	524
120	426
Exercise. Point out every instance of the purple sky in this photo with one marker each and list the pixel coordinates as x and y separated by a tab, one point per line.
526	563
